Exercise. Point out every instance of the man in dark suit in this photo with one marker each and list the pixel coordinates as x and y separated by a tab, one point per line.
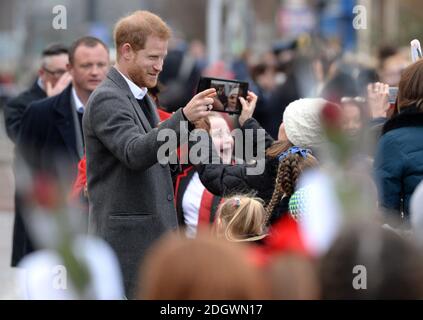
130	193
52	79
51	140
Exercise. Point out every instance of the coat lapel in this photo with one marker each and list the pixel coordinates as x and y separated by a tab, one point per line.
117	78
64	120
153	109
37	92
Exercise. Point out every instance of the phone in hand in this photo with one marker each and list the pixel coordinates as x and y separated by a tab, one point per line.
228	93
392	96
416	50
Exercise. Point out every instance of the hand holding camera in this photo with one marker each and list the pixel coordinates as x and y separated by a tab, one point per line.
416	50
200	105
227	95
378	99
248	107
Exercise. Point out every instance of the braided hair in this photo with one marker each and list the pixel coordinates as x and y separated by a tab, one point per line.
287	175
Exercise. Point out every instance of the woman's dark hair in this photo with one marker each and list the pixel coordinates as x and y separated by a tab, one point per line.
55	49
277	148
389	266
410	88
386	52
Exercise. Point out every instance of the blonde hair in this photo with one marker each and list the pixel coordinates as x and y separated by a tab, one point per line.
136	27
204	123
241	218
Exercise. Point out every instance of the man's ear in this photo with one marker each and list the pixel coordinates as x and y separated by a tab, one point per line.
126	51
69	67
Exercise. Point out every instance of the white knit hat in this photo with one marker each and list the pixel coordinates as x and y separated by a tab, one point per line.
302	122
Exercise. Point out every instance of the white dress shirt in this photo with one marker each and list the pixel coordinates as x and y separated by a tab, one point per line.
139	93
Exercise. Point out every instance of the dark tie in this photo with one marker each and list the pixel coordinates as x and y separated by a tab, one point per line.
80	114
147	112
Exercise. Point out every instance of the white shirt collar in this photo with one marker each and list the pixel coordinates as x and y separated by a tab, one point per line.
139	93
40	84
78	104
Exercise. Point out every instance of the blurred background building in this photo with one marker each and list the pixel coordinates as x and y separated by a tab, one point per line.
227	27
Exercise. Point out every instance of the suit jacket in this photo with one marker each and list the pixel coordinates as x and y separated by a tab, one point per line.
47	139
130	194
15	108
13	112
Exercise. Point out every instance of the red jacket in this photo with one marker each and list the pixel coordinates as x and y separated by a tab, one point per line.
209	202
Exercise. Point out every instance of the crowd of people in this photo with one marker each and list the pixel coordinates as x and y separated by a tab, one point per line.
210	229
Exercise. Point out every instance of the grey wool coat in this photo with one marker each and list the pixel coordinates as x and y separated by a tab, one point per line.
130	193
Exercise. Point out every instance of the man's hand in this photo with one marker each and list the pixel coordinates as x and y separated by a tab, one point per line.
200	105
248	107
378	99
60	85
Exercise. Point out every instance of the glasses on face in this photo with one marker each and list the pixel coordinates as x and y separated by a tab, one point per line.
55	73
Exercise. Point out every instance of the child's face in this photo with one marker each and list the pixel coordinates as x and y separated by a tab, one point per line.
222	138
351	117
232	101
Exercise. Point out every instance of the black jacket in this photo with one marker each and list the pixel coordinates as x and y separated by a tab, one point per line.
47	139
226	180
47	143
13	113
271	114
15	108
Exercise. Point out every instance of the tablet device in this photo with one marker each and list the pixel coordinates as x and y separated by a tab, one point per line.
228	92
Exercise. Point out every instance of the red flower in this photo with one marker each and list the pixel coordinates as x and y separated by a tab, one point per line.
46	192
331	116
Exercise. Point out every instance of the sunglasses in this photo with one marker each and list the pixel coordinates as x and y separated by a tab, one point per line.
55	73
